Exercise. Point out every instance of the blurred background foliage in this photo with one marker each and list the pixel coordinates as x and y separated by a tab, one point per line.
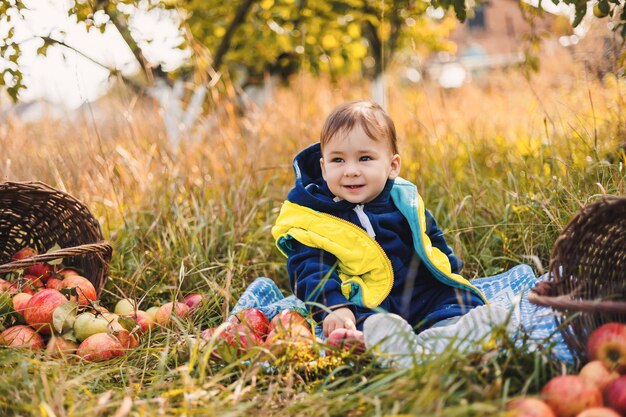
247	39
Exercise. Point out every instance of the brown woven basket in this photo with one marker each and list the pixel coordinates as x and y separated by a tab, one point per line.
36	215
587	280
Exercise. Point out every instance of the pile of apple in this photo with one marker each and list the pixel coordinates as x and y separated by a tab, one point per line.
599	389
54	308
250	328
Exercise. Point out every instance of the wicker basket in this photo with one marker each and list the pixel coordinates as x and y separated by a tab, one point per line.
36	215
587	280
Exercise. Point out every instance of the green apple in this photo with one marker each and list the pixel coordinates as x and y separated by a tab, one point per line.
152	312
125	307
87	324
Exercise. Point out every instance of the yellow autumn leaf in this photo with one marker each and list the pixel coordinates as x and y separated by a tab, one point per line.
329	42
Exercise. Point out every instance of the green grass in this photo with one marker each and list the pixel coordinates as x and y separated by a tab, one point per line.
501	172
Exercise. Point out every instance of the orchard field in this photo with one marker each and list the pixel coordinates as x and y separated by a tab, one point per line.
502	163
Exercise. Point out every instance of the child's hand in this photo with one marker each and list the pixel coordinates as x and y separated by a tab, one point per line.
342	318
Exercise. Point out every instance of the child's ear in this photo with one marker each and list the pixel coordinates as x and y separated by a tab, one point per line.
395	167
323	168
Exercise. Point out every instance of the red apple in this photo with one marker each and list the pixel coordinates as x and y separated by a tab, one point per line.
24	253
528	407
10	287
194	301
126	338
65	272
615	395
240	336
207	334
607	343
255	320
39	309
85	289
144	320
347	339
20	300
21	336
164	313
598	412
59	346
568	395
294	333
43	271
31	284
287	318
100	347
597	374
54	283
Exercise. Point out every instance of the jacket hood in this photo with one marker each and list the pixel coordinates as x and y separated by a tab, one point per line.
311	189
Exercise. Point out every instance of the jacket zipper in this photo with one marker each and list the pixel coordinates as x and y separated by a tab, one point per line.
375	242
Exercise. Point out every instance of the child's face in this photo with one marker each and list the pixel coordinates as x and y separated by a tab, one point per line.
357	167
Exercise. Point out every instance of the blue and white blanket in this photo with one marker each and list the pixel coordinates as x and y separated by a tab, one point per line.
509	290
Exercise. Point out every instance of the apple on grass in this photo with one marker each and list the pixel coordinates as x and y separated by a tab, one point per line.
125	307
152	312
100	347
87	324
7	286
164	314
144	320
597	374
194	301
607	343
296	334
58	346
40	308
232	339
286	319
615	395
528	407
255	320
21	336
568	395
598	412
127	339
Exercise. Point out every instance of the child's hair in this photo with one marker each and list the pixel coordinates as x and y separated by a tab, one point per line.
370	117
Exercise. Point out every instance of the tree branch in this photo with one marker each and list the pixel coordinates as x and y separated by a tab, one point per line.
224	45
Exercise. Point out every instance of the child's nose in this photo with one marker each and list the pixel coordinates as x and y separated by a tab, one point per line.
351	170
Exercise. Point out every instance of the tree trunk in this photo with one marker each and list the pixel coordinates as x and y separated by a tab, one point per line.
224	46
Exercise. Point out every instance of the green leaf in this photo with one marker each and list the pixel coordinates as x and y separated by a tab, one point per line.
6	305
604	7
69	335
127	323
581	10
64	315
54	247
460	10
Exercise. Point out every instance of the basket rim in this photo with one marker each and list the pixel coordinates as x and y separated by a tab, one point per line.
103	246
567	303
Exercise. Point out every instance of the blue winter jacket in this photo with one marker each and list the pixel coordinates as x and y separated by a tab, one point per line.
331	266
